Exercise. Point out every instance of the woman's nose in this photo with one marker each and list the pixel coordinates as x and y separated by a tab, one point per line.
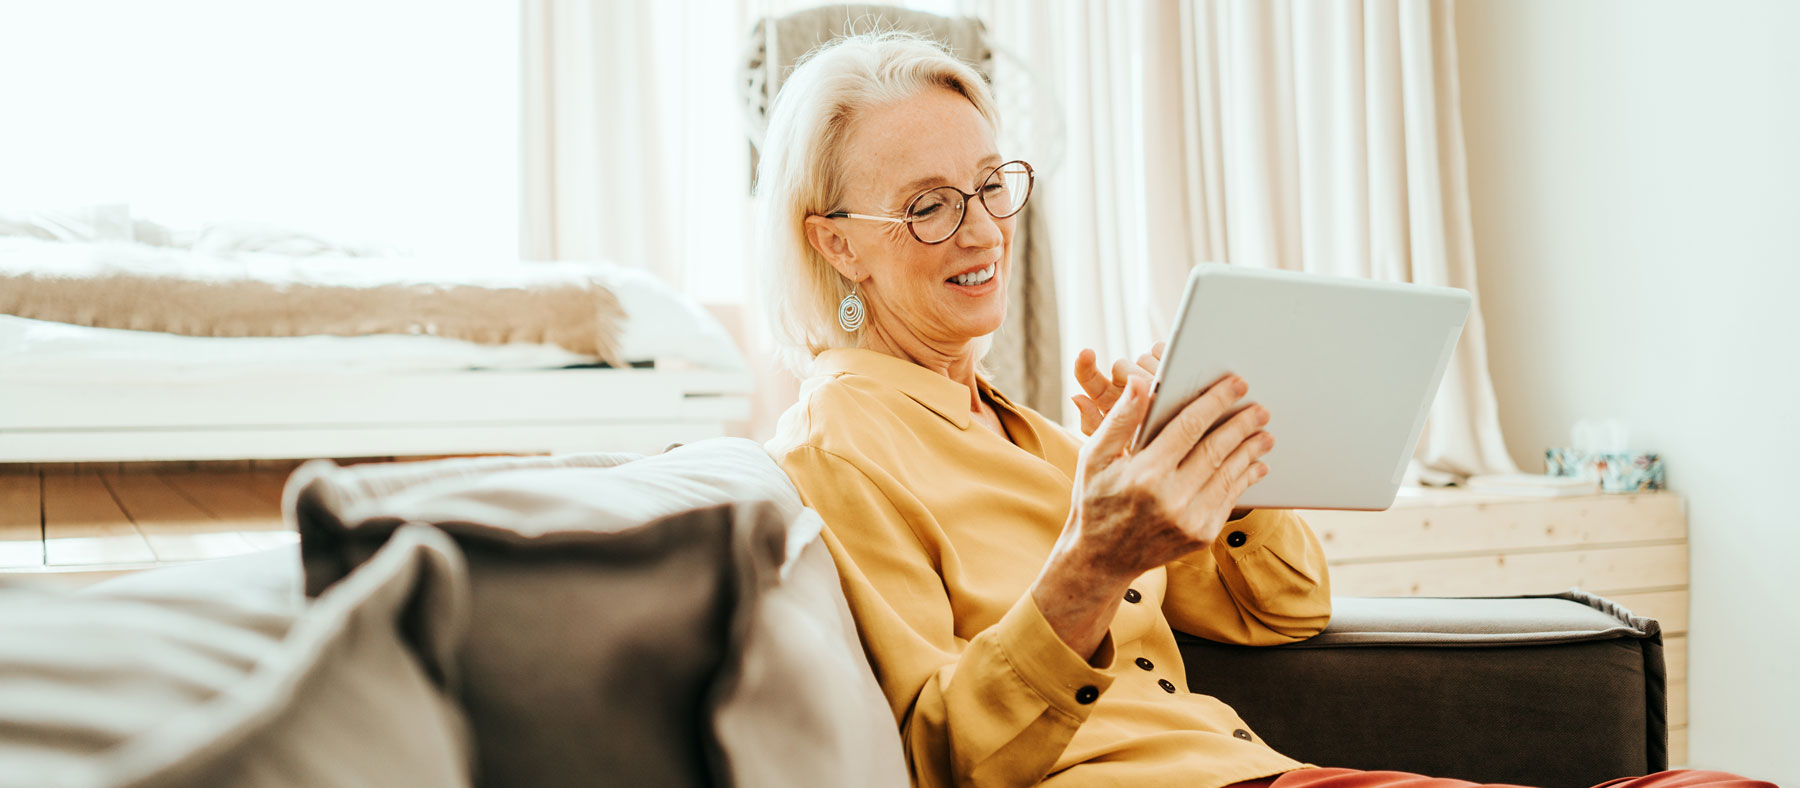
980	230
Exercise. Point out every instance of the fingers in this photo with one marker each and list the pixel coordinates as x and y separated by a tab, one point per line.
1244	456
1123	370
1104	390
1148	363
1241	469
1114	435
1087	373
1178	437
1211	451
1152	361
1090	413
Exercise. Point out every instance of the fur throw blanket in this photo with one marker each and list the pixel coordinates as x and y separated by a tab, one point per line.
115	284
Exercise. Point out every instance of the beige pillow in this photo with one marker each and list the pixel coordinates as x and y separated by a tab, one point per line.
163	689
616	596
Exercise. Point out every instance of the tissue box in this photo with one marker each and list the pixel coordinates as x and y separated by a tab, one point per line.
1616	471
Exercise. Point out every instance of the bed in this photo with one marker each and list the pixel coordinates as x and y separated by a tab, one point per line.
80	393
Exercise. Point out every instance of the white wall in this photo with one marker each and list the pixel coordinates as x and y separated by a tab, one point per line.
1635	179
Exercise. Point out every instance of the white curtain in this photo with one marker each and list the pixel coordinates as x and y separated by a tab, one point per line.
633	150
1321	137
1314	136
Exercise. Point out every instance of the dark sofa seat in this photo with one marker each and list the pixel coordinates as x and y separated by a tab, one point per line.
1557	690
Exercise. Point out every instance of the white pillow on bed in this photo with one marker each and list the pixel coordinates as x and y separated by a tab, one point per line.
103	222
222	238
661	323
238	236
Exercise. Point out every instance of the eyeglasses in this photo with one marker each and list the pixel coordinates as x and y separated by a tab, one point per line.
936	214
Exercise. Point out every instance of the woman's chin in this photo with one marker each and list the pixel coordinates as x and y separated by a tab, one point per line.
978	326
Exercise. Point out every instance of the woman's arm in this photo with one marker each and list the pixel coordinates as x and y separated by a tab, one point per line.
998	708
1267	586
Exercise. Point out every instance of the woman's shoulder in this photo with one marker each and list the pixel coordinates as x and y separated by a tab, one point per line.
837	414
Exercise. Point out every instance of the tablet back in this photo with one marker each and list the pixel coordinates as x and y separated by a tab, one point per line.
1347	368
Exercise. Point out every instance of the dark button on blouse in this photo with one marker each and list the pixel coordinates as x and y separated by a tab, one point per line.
1087	694
1132	596
1236	539
1242	734
1168	686
1145	664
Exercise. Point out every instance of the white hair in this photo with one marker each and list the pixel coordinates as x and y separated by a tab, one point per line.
802	172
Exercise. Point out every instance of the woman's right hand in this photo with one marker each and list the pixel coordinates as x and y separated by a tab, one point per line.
1134	512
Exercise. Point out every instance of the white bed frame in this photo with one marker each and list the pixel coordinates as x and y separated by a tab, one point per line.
368	415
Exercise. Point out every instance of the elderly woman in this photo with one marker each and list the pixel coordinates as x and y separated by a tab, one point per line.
1015	588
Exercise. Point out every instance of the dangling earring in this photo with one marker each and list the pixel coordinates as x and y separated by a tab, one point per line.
850	311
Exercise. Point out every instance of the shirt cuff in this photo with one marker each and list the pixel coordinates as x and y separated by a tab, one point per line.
1256	528
1047	665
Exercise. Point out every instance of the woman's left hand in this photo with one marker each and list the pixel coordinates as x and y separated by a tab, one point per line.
1102	391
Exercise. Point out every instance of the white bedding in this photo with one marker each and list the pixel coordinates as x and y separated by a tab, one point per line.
662	326
40	350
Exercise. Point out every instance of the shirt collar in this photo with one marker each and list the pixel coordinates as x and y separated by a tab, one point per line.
943	396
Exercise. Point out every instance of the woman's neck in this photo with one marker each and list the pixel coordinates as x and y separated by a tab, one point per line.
956	364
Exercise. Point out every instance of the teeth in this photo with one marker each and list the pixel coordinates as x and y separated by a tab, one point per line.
978	277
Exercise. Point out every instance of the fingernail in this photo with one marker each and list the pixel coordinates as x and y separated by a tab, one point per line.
1239	386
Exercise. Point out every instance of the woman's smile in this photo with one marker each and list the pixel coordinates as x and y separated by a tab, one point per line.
976	281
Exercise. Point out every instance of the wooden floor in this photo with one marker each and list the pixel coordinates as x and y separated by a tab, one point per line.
81	523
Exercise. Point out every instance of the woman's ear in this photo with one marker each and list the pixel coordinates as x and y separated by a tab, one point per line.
834	246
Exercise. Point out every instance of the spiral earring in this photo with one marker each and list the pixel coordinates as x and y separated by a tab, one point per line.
850	311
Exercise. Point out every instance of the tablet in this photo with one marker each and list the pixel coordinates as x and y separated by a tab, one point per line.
1347	368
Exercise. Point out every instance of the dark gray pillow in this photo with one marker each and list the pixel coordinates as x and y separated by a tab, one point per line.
158	685
666	620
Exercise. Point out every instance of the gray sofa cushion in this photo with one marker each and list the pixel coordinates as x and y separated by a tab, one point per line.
1445	621
163	684
669	620
1555	690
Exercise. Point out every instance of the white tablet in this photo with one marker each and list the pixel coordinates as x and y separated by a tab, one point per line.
1347	368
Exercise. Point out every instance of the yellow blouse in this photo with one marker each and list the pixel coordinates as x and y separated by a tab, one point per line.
939	527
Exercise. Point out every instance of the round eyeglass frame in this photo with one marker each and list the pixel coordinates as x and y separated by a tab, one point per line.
964	198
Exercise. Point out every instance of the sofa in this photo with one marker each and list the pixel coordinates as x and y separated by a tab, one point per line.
675	620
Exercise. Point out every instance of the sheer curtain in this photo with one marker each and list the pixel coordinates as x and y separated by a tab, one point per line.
633	150
1321	137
